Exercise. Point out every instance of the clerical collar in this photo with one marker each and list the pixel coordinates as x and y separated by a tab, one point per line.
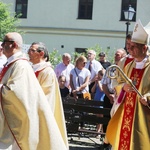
36	66
11	58
140	65
129	56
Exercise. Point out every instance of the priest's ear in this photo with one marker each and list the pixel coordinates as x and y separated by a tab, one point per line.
14	45
145	49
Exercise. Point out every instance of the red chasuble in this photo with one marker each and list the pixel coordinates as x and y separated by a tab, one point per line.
128	60
129	110
37	72
4	70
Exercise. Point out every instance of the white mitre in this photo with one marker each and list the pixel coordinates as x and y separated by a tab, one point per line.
141	34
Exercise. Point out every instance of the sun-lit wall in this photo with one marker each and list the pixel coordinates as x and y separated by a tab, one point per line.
55	23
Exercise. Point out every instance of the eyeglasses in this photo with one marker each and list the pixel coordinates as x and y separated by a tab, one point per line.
33	50
4	41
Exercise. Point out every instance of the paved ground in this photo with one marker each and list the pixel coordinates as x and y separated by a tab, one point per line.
84	143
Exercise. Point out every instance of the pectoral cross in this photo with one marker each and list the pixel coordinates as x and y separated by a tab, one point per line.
135	79
134	82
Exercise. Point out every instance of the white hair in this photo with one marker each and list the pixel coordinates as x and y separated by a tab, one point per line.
67	55
92	51
123	52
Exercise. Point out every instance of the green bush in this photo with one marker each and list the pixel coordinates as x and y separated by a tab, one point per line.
55	58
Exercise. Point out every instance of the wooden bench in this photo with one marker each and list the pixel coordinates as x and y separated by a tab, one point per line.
77	111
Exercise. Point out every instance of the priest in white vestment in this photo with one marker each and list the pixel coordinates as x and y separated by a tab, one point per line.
26	119
39	56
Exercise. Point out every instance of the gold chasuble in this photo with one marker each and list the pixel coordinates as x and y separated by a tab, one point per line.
26	119
129	128
120	93
49	83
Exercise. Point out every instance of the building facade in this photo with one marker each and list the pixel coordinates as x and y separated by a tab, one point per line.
74	25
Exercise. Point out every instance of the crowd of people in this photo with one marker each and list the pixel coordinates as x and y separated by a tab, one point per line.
31	112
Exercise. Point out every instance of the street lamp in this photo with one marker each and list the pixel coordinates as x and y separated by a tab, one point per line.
128	14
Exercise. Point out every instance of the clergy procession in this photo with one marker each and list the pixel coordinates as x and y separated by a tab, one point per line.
31	111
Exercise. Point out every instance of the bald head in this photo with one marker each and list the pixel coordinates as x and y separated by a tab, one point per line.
12	43
16	37
66	58
120	53
67	55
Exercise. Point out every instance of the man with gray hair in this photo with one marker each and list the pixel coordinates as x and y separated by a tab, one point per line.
94	66
64	68
26	119
39	56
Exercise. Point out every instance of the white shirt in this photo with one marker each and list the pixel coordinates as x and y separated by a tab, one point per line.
62	69
107	81
82	74
95	67
140	65
12	58
3	60
37	66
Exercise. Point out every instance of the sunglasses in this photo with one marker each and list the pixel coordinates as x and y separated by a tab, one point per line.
5	41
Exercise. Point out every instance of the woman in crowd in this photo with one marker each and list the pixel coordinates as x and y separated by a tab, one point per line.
79	78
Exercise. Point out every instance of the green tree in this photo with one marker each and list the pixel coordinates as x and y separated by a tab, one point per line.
8	21
55	58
